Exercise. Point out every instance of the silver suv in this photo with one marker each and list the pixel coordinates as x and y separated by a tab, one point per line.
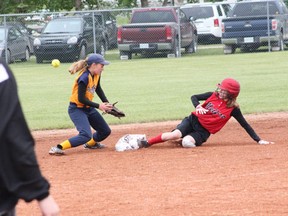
208	19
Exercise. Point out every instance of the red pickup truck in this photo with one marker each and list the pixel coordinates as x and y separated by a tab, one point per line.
153	30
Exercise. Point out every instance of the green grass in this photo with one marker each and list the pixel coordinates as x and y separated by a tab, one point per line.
155	89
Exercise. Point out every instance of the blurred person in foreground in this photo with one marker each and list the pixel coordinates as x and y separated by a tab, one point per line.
20	175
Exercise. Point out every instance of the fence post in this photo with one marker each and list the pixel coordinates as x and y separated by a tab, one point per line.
268	28
6	40
179	31
94	32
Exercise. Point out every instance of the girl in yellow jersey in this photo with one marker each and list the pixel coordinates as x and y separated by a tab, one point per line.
82	109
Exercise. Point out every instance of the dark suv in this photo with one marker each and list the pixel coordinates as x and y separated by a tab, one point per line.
69	39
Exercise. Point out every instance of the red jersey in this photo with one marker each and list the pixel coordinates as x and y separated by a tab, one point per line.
217	116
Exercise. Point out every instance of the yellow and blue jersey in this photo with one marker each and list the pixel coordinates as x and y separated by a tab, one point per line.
90	81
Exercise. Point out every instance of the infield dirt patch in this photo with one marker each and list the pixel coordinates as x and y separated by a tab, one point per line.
229	175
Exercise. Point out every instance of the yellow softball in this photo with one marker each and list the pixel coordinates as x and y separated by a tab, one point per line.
55	63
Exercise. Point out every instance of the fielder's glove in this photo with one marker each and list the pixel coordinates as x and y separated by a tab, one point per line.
116	112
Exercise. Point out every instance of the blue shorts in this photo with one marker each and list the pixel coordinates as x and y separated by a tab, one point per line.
191	126
84	119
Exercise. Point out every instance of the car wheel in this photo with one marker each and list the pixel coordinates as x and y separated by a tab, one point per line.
102	50
279	46
189	49
27	55
195	47
176	49
8	60
82	53
229	49
192	48
195	44
125	53
39	60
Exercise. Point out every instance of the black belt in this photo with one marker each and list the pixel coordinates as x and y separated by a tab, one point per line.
74	104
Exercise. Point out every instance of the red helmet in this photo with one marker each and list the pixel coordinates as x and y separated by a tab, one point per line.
230	85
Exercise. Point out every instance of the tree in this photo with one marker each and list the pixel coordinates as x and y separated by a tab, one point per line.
127	3
144	3
8	6
78	5
56	5
27	6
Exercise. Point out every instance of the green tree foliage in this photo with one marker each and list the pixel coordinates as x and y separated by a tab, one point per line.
27	6
56	5
8	6
127	3
96	4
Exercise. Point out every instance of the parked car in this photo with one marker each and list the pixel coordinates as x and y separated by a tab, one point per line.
17	44
25	31
69	39
250	26
35	28
108	21
208	19
156	30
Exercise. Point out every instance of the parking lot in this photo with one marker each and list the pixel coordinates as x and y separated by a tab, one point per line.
58	43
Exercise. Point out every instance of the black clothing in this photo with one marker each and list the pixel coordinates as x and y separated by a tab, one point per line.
191	126
20	176
82	98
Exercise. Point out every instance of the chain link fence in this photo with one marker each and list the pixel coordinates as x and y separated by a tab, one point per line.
153	32
65	36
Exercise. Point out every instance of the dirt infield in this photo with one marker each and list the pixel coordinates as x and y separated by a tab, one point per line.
229	175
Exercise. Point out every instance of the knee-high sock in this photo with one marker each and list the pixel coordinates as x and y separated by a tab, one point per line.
64	145
91	142
155	140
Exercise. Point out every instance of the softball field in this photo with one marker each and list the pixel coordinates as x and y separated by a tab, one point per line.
229	175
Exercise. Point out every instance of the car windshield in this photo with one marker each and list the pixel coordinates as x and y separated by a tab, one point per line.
62	25
153	16
199	12
254	9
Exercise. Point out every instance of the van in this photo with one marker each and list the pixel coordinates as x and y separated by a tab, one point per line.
208	19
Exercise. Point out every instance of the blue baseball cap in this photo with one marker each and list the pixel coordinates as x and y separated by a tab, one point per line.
96	58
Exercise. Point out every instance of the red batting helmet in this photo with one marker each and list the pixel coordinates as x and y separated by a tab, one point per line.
230	85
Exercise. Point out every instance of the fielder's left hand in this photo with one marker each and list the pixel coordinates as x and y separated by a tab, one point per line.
264	142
